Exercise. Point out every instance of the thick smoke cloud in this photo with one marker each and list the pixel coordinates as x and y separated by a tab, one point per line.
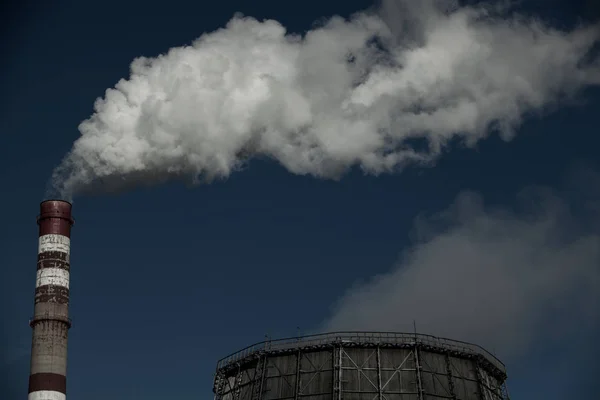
348	93
501	278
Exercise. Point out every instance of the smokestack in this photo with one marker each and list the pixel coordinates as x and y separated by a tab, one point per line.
50	322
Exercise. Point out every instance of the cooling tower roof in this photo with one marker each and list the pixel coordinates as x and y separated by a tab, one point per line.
384	365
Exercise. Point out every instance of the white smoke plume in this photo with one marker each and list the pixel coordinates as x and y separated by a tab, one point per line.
496	277
348	93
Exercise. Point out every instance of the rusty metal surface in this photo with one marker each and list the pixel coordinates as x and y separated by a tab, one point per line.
55	218
56	209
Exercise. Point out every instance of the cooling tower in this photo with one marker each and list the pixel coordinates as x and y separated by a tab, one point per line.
361	366
50	322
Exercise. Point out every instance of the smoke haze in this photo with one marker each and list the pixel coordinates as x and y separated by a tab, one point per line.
497	277
348	93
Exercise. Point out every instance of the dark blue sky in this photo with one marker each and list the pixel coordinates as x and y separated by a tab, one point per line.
167	280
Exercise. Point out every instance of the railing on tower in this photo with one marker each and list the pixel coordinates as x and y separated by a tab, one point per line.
361	338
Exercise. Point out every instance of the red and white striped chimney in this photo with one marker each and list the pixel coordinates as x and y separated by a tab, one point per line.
50	322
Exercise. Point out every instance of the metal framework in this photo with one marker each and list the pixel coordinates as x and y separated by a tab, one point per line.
361	366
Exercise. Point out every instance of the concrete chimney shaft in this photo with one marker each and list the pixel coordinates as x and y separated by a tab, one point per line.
50	322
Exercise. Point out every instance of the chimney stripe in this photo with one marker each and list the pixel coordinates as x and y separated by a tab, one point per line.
44	381
52	276
52	263
46	395
51	294
53	255
54	242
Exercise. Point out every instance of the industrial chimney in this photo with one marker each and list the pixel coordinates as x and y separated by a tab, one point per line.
50	322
